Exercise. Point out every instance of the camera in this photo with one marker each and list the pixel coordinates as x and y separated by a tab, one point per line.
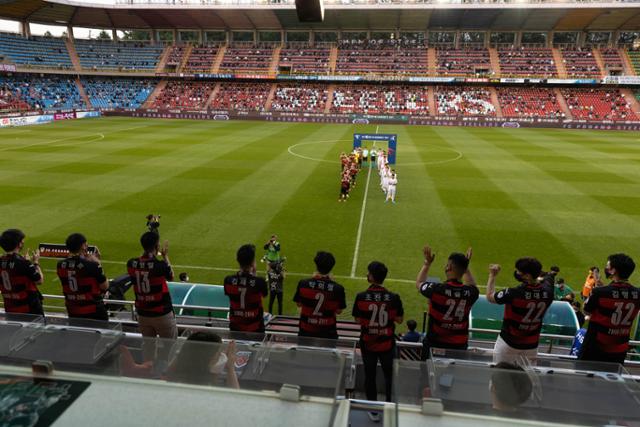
153	222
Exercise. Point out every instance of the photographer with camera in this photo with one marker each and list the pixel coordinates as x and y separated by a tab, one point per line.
273	251
153	223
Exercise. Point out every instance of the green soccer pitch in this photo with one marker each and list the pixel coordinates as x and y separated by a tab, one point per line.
567	197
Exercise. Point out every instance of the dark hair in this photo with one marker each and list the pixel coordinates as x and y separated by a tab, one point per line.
378	271
75	241
412	325
183	276
192	363
149	241
623	264
10	239
246	255
594	268
530	266
576	304
560	281
511	384
324	262
555	268
460	262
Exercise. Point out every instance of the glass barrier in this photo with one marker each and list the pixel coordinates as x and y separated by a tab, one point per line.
199	357
575	393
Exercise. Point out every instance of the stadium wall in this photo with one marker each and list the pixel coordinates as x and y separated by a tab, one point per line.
375	119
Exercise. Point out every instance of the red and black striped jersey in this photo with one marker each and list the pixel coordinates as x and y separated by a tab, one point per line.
81	279
149	277
320	298
525	306
18	278
377	309
613	310
449	307
245	292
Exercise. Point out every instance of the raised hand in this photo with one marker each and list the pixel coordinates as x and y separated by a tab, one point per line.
429	255
494	269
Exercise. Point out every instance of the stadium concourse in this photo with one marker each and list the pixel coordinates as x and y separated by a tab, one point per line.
528	153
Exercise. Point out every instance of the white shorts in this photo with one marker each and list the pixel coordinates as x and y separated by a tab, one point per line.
391	192
503	352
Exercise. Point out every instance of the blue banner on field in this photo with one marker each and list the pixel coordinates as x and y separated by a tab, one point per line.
390	138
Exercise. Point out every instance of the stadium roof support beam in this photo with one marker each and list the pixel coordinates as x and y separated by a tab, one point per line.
25	29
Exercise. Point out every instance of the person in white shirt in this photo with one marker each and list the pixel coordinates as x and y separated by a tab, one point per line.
391	185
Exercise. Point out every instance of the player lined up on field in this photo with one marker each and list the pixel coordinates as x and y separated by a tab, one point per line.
351	165
612	307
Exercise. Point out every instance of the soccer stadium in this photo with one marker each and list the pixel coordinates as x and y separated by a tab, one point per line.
319	212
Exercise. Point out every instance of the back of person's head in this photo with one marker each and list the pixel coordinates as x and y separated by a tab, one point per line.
530	266
623	264
510	384
412	325
195	357
74	242
560	281
458	263
378	272
324	262
11	239
149	241
246	255
555	269
184	277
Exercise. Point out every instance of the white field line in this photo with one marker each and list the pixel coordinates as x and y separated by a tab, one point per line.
356	251
233	270
100	137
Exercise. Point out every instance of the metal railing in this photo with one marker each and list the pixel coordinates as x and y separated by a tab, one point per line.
228	3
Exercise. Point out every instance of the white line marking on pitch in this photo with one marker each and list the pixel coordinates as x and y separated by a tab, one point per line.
232	270
359	234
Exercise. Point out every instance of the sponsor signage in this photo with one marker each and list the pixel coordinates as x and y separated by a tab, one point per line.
64	116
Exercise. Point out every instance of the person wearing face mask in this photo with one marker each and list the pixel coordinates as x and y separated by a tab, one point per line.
449	303
525	306
612	309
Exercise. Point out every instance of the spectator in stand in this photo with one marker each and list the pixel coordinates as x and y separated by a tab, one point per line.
83	281
412	335
592	280
19	276
245	291
612	309
449	303
149	276
525	306
578	311
562	292
377	310
320	300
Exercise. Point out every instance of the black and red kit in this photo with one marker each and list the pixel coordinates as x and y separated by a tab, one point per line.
245	292
613	309
320	298
449	307
81	279
18	278
377	309
524	309
149	276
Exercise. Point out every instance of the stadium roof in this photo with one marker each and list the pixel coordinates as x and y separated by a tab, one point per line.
408	15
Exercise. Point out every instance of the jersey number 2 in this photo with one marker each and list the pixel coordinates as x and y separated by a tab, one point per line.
619	317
